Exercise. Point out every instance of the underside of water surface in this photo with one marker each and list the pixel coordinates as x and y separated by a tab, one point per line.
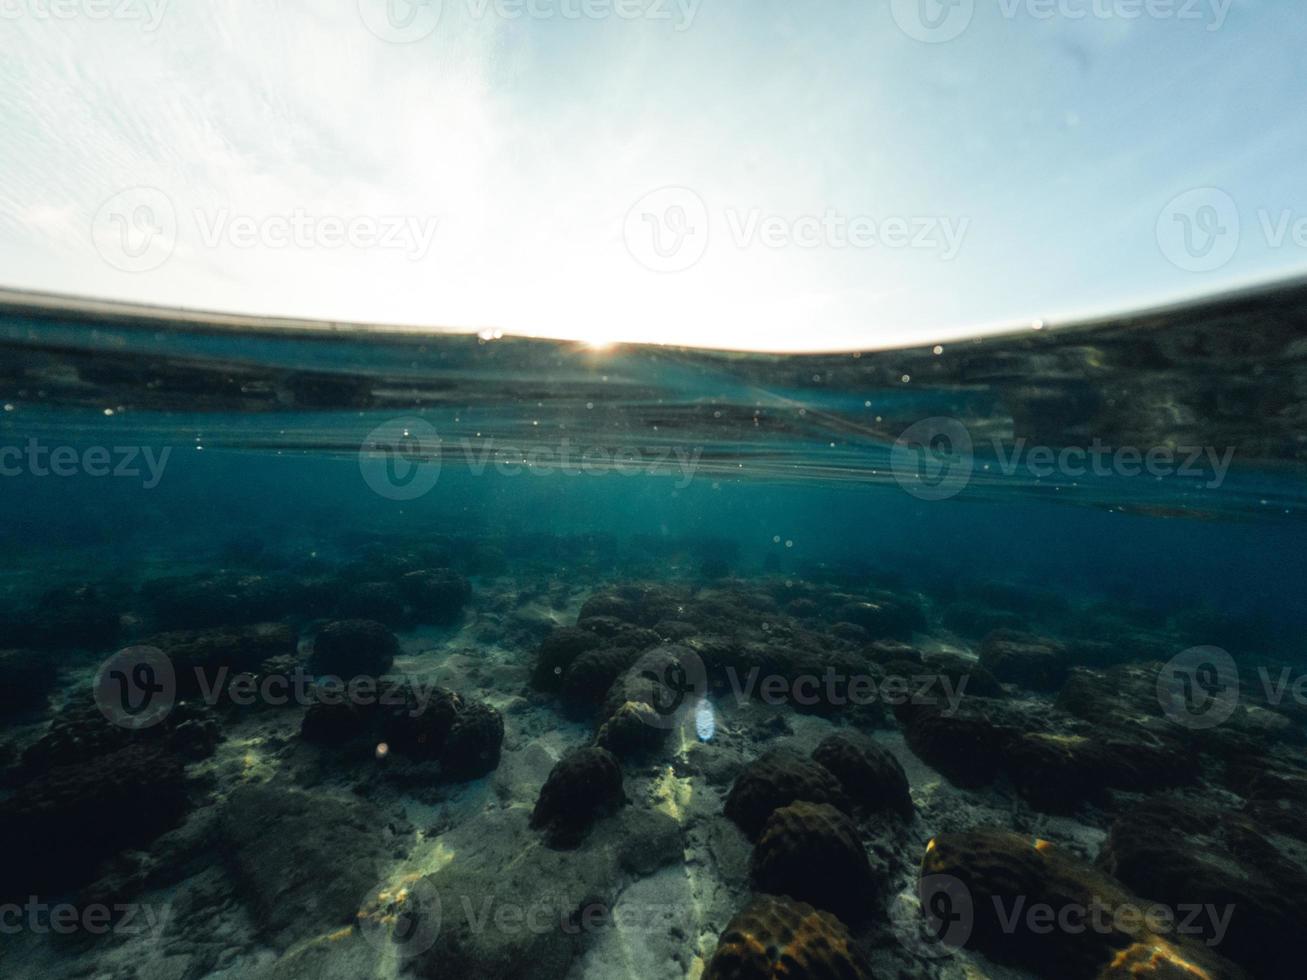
355	656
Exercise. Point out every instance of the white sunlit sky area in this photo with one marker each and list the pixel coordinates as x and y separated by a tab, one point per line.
730	173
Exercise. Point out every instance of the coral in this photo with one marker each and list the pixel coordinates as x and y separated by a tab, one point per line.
776	938
811	852
775	779
582	787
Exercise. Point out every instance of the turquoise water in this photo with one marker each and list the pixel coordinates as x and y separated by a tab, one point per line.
298	479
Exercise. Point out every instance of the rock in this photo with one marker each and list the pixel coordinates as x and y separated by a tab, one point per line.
884	616
81	617
354	648
591	676
472	747
514	910
975	619
66	820
870	775
1016	890
80	732
300	862
777	938
436	597
1179	852
967	746
811	852
584	786
206	660
26	679
953	672
775	779
380	601
556	654
1034	662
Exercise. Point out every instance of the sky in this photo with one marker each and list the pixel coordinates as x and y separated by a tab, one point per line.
730	173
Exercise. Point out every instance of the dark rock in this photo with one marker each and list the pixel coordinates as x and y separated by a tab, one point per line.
582	787
302	863
380	601
203	660
872	778
62	823
811	852
556	654
975	620
472	747
1033	662
966	745
436	597
84	617
26	679
591	676
1000	873
1181	853
775	779
354	648
777	938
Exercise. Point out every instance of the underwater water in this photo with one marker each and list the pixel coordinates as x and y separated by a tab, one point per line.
342	656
